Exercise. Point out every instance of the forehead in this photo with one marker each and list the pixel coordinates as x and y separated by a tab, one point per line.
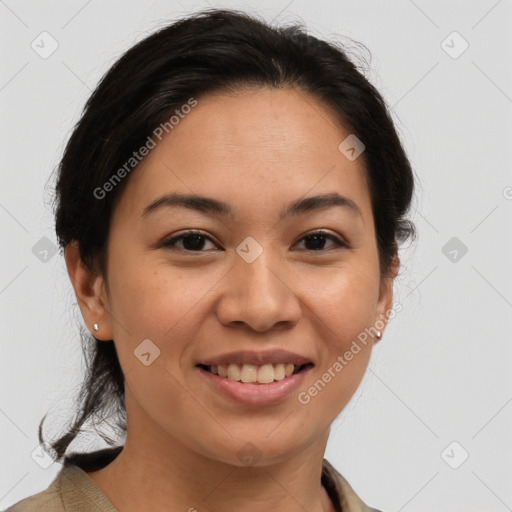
259	147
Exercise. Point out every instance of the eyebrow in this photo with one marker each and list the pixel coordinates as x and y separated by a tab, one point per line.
212	206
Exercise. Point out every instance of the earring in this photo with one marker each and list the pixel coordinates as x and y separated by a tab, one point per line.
379	335
96	327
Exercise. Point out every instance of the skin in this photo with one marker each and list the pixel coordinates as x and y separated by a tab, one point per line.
257	150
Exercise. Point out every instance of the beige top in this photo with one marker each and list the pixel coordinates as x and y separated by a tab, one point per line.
73	491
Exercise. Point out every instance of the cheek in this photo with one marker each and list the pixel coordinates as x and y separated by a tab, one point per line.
148	295
345	309
153	300
347	303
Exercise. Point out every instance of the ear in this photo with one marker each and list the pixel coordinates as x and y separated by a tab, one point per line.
385	302
90	293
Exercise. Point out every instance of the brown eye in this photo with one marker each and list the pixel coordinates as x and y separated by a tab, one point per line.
193	241
316	241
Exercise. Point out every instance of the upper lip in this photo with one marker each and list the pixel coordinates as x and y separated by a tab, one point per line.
257	358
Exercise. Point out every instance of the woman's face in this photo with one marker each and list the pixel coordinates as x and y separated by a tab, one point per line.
254	281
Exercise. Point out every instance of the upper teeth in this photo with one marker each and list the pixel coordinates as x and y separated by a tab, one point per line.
251	373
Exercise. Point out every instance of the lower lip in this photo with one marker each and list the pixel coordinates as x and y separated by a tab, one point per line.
256	394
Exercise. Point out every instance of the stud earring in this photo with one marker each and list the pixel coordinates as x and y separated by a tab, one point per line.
96	327
379	335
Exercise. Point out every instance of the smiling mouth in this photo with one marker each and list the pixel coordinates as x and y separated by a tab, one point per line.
250	373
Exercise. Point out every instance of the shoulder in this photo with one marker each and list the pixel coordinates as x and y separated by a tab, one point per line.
72	490
48	500
342	492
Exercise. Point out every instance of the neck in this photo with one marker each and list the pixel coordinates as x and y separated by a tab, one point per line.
149	474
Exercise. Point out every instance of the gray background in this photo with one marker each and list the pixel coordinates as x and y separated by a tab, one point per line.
442	372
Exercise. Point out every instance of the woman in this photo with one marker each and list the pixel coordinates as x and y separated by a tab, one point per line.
230	206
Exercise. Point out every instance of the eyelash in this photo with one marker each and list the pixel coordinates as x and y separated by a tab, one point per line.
171	242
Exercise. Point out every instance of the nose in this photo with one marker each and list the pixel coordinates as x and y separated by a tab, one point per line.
258	295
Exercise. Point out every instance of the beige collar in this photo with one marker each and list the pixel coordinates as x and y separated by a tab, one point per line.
80	493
